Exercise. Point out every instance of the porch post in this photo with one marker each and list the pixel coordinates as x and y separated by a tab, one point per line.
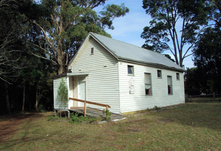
84	108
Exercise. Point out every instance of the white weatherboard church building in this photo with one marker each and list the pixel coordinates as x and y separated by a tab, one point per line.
125	77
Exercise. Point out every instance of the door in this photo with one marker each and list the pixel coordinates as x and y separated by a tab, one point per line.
81	92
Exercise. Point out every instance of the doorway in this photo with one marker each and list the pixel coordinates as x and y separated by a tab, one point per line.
81	91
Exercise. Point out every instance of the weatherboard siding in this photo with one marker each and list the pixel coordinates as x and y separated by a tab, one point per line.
138	100
102	82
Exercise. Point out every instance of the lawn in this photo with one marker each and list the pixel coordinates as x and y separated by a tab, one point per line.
194	126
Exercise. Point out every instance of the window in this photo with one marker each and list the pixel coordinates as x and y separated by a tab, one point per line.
92	51
169	83
147	79
177	76
130	70
159	74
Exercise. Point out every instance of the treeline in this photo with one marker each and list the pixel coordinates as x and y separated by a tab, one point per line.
37	41
188	28
205	77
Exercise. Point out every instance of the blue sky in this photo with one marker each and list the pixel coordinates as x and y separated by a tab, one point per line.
129	28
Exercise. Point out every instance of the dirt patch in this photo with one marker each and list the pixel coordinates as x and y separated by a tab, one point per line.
9	124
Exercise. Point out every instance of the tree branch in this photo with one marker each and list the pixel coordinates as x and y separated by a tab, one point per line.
188	55
46	36
184	56
55	63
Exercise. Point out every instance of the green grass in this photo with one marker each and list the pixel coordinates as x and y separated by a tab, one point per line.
194	126
203	99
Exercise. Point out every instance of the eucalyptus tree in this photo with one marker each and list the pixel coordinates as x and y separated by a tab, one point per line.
207	51
69	23
207	58
175	21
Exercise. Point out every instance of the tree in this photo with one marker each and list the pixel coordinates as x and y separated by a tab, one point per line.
37	76
178	21
11	44
207	51
16	32
215	14
207	58
67	26
193	82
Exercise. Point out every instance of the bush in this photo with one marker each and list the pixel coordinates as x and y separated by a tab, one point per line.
108	115
76	119
53	118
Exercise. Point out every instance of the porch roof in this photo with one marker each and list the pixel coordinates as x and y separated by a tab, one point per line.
77	73
70	74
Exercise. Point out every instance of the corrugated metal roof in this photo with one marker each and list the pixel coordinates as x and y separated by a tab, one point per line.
126	51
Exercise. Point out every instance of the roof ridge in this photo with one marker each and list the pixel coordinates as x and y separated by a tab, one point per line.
132	52
130	44
118	40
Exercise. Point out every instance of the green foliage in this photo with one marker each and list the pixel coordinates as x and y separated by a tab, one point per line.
17	65
193	82
41	108
206	77
171	19
12	29
110	12
53	118
62	94
108	114
207	58
76	119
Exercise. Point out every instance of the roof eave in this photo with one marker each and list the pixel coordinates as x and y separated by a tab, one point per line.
156	65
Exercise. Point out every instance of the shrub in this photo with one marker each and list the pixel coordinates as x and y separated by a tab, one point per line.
75	118
108	115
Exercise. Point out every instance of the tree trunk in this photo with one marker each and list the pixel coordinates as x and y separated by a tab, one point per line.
61	66
60	44
7	98
23	103
181	58
60	69
37	100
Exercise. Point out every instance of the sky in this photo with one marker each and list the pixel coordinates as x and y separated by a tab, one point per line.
129	27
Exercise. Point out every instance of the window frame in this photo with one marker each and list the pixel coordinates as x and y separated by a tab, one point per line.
150	92
131	69
169	87
92	50
159	71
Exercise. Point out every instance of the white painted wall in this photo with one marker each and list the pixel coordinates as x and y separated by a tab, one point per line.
108	82
138	100
102	83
